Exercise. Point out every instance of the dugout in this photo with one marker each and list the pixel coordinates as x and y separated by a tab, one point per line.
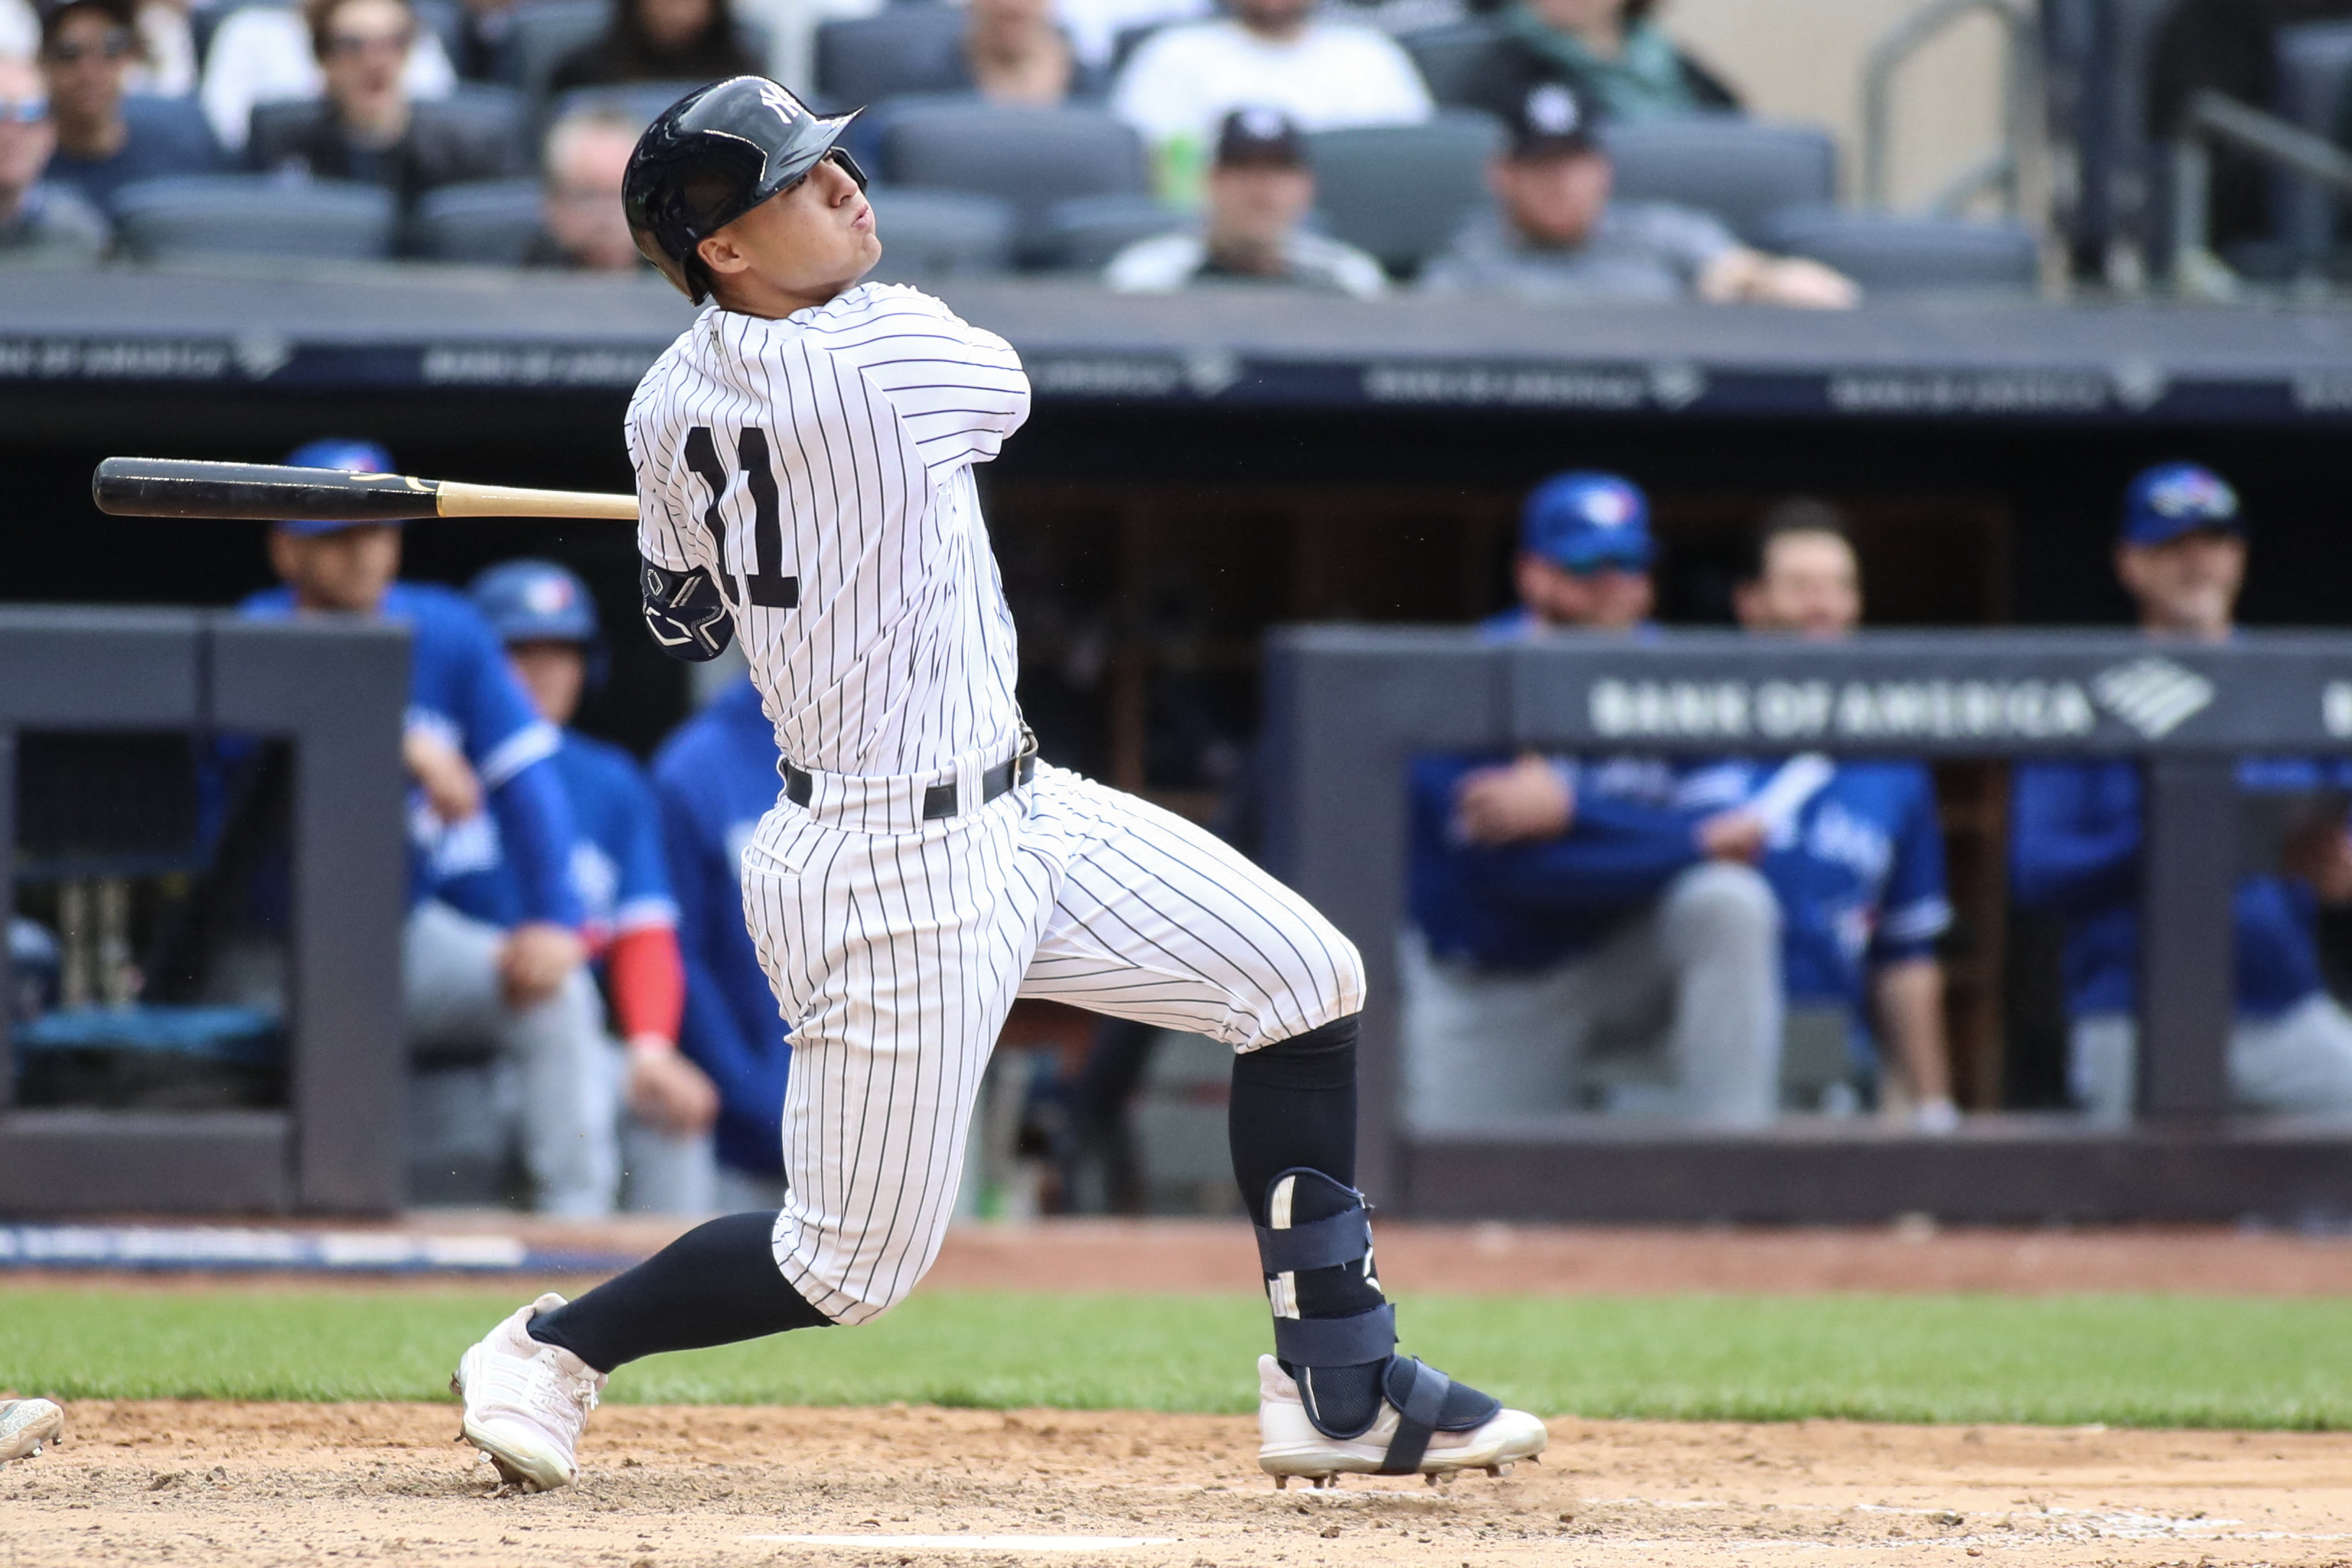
1201	469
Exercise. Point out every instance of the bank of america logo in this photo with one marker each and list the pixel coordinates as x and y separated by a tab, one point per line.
2154	697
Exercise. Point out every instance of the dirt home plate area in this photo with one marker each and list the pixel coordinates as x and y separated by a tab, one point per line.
238	1483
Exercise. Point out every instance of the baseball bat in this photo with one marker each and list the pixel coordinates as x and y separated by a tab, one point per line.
164	488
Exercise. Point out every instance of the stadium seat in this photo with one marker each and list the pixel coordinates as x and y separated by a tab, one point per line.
1401	191
1030	158
1888	255
498	114
254	215
491	222
1445	55
541	34
2315	67
1743	171
916	46
929	234
1084	233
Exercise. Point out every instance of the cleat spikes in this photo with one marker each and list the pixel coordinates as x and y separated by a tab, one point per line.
1282	1483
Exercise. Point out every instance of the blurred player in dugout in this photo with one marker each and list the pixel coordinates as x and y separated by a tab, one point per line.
547	619
1587	933
715	777
2075	847
485	788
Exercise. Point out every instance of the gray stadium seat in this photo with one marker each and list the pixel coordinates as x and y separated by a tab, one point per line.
1742	171
915	45
2315	67
1401	191
491	222
929	234
640	102
495	114
1086	232
254	215
1445	55
541	33
1889	254
1030	158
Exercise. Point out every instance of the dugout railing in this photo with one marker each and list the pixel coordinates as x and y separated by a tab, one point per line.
333	694
1347	706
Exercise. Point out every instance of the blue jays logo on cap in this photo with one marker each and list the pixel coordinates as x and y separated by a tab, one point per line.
2176	498
535	600
1586	521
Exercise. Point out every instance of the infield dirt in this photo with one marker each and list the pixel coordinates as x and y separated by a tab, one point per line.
264	1484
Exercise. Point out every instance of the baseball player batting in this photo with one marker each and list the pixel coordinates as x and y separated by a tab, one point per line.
804	457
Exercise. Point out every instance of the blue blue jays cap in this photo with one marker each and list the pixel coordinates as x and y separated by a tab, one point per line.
535	601
1585	522
2176	498
336	452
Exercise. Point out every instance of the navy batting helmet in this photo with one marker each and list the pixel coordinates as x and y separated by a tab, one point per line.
713	156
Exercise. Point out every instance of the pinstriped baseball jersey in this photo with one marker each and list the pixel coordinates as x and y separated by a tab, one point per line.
819	467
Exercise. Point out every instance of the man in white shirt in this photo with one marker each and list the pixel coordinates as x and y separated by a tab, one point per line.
1267	54
264	52
1260	192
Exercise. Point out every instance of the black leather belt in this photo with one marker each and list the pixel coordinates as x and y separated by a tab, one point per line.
940	799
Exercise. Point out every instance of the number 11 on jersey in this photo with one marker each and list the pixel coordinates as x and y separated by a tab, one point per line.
771	587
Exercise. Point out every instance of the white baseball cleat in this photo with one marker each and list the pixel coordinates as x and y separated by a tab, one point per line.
525	1402
25	1424
1289	1445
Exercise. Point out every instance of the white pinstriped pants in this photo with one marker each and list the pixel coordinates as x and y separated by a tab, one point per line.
895	955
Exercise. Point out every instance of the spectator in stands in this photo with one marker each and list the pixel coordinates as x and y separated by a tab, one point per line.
483	28
367	127
166	66
263	53
1561	906
582	225
1018	55
1852	850
486	786
1610	51
1260	192
1267	54
106	140
1556	236
548	621
2074	849
716	777
40	224
2230	47
683	41
20	30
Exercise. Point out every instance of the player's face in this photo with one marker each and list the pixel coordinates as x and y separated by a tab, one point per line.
1272	16
2188	586
1620	599
1811	587
1611	598
1578	15
554	674
84	63
798	249
1554	199
1255	206
346	571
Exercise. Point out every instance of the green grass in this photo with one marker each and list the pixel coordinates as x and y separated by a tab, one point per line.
2180	1360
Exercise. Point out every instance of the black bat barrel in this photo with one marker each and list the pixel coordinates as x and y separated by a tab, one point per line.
162	488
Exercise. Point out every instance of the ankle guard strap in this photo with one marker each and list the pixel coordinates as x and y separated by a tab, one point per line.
1337	1341
1356	1329
1319	1243
1418	1391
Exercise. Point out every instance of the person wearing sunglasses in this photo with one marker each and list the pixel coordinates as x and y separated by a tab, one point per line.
367	126
107	137
41	225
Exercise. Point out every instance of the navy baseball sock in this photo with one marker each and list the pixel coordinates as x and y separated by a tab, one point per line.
1292	1121
714	1285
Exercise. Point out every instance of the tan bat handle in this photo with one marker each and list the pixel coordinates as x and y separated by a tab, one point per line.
457	500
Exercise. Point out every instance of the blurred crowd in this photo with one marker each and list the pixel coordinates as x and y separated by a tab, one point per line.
1716	943
1185	139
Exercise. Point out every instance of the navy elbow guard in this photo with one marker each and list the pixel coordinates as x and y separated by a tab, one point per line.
686	613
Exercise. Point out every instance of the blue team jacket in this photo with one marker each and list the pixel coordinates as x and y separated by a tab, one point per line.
2074	842
461	691
714	778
